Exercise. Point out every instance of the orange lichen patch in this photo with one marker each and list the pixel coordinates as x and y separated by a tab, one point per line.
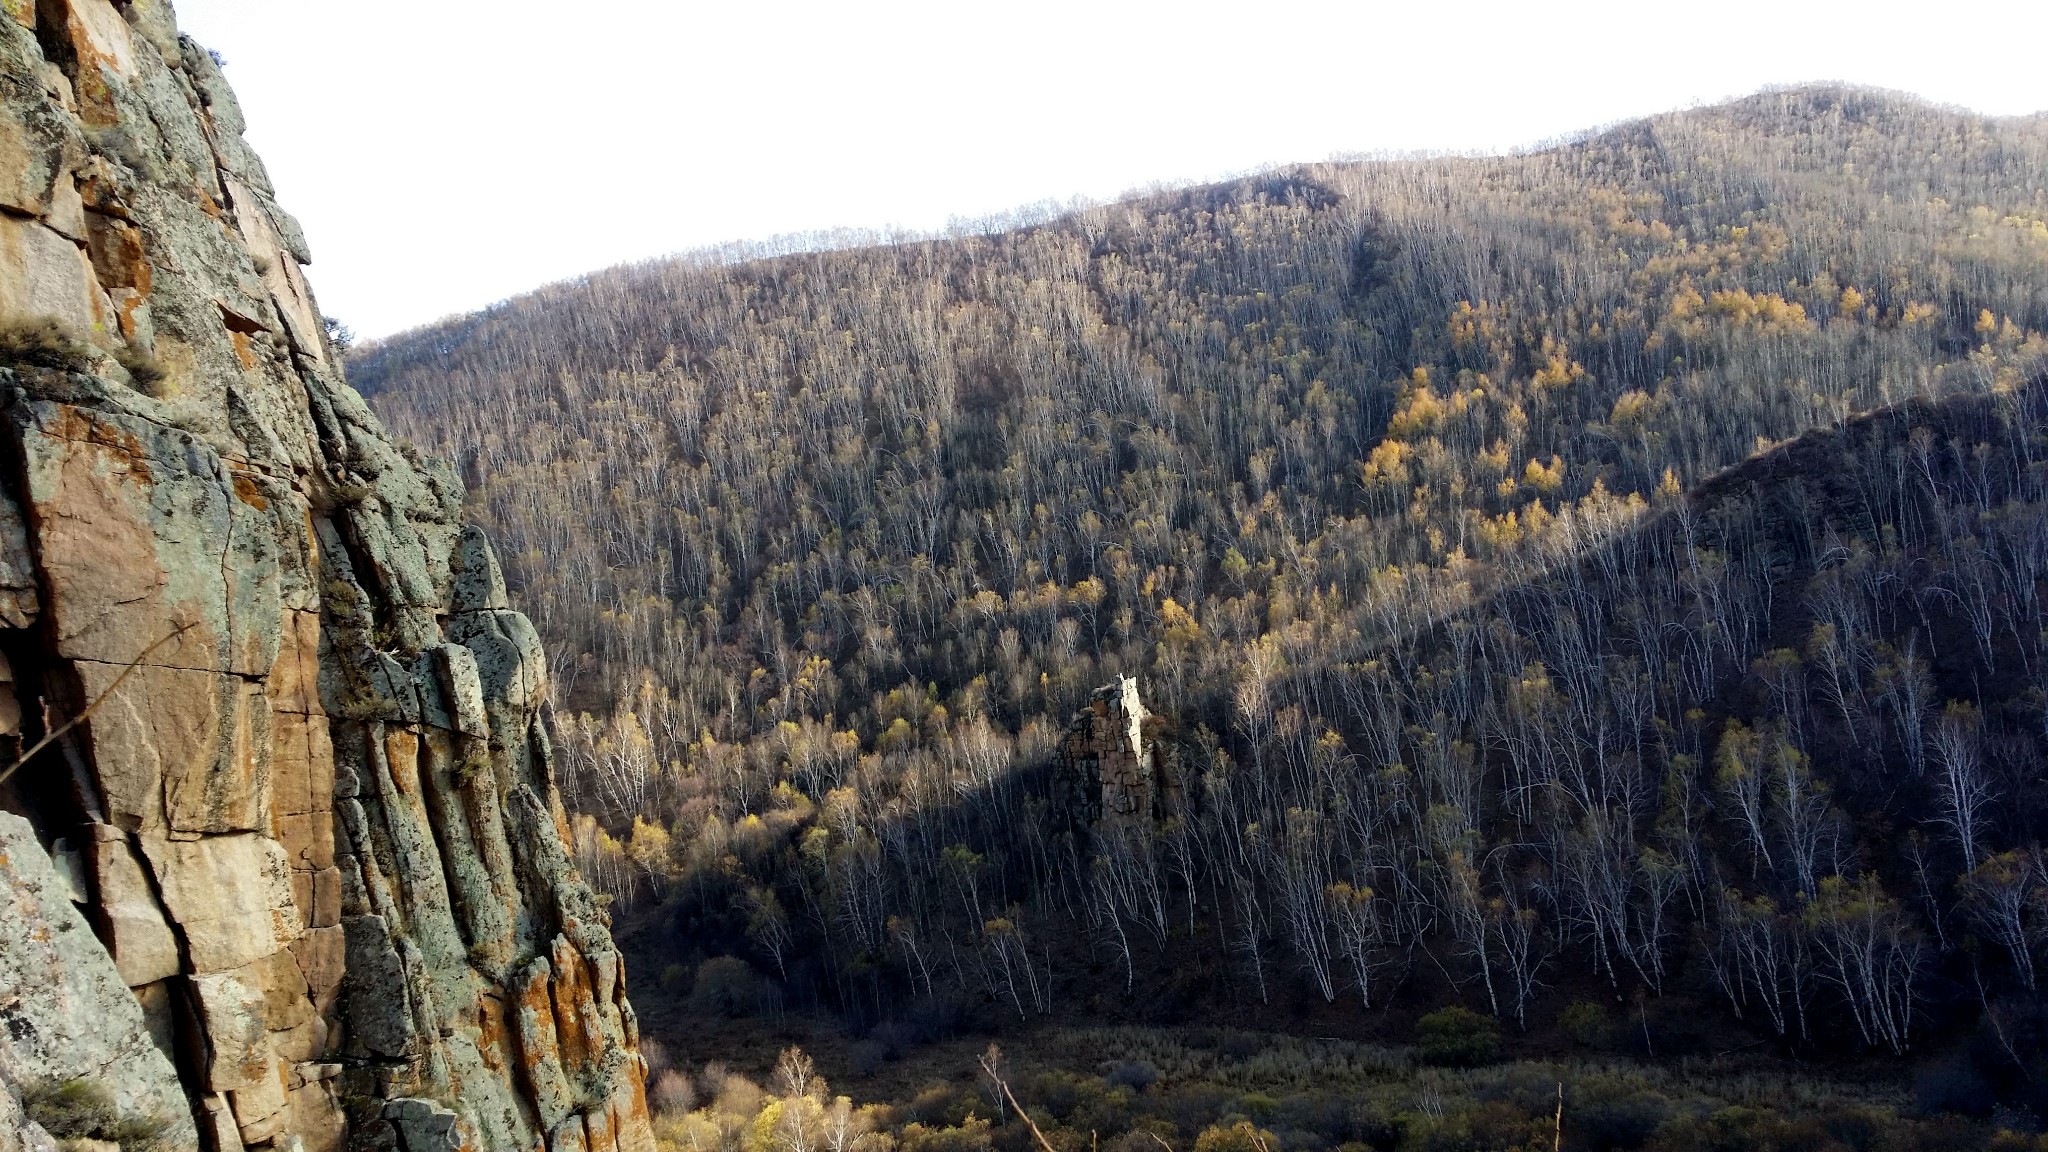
569	1039
598	1124
532	1018
138	469
491	1034
241	331
593	1020
78	426
23	12
209	205
245	350
402	753
568	1136
127	302
536	1036
569	991
100	34
108	508
630	1123
248	493
100	194
116	250
95	98
105	50
71	424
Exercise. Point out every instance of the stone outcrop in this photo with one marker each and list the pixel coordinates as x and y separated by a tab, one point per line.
306	813
65	1012
1114	766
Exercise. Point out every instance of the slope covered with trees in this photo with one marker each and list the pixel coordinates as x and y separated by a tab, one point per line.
1611	571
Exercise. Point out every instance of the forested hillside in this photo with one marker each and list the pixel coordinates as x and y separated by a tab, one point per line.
1608	574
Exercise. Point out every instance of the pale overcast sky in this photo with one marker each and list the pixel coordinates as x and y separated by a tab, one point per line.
444	154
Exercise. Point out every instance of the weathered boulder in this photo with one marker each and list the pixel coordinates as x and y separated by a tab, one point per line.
65	1012
306	811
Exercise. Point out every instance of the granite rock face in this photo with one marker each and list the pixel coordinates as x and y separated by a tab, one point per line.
309	821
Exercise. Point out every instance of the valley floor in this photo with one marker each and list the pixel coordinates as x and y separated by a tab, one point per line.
1133	1088
1266	1078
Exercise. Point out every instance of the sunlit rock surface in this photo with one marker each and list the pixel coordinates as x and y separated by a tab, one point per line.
1114	768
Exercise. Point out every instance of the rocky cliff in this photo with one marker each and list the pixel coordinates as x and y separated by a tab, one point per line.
284	866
